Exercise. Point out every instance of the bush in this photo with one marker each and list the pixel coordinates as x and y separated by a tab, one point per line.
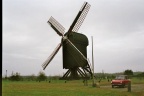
128	72
41	76
15	77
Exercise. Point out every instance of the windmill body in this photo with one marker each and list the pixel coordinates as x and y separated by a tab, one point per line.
71	58
74	47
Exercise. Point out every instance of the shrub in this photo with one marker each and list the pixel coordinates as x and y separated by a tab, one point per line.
15	77
41	76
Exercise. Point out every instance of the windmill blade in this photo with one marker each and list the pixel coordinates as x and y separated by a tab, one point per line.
45	64
79	18
56	26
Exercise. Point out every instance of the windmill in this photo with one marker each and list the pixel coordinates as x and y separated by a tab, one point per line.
74	47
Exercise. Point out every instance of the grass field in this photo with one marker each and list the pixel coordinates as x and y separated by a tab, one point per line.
70	88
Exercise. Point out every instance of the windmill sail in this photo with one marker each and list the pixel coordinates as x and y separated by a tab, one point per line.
79	18
45	64
56	26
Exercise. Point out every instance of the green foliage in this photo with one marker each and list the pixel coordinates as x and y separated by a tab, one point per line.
15	77
41	76
141	74
31	77
54	77
128	72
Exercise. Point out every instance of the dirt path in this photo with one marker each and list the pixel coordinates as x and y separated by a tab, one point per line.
134	87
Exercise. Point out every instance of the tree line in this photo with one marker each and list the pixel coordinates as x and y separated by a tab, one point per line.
17	77
42	77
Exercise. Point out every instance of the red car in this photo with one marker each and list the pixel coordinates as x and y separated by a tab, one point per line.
120	80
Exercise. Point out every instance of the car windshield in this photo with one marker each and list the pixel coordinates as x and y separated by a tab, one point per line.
120	77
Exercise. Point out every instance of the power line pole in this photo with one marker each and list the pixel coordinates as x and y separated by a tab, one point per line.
94	85
6	75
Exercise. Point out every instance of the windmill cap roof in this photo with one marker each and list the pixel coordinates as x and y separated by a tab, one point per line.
78	38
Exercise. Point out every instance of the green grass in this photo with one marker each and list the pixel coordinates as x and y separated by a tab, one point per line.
137	81
71	88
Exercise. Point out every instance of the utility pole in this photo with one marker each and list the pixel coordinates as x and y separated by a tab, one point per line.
6	75
94	85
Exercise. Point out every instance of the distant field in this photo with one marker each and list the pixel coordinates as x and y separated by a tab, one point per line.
70	88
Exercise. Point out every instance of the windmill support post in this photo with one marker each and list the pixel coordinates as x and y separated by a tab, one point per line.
75	73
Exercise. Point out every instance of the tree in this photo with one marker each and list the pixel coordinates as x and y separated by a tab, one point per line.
128	72
41	76
15	77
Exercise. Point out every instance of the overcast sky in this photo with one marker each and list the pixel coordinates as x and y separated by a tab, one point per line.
117	27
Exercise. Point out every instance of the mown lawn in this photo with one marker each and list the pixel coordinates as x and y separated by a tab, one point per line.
70	88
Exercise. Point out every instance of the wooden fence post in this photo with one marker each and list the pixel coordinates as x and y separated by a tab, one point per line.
129	86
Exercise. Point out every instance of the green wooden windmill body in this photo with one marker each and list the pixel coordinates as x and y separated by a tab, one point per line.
71	58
